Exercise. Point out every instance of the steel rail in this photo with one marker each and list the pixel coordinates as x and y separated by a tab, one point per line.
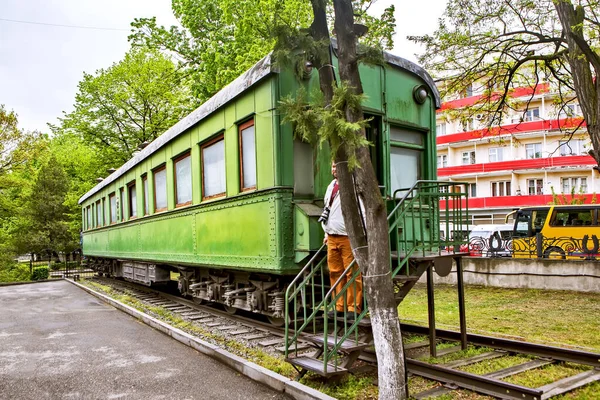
544	351
477	383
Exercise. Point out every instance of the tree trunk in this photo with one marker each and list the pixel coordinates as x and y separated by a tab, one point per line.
580	57
372	250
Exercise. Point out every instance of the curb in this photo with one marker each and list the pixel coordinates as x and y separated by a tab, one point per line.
253	371
30	282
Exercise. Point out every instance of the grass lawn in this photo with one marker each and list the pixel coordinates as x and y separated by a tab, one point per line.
559	318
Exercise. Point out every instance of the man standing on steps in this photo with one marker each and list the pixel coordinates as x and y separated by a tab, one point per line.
339	250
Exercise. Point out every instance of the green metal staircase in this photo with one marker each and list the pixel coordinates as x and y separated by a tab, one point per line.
416	246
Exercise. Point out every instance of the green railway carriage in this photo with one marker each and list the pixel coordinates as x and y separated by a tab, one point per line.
230	199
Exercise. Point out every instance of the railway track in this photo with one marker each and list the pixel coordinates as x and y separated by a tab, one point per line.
264	335
237	327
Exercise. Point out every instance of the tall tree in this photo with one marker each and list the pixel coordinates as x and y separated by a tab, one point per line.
45	220
340	120
132	102
220	39
504	44
19	157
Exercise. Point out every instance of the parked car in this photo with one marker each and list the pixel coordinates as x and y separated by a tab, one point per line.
490	241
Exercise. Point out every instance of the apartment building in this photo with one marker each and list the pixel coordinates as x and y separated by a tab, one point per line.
521	161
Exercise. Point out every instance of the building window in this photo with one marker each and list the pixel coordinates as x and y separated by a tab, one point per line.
466	125
183	180
213	168
535	186
112	201
145	186
121	203
496	154
247	155
468	157
132	199
569	111
160	189
533	114
440	129
472	189
99	219
469	90
533	150
577	184
501	188
442	161
571	147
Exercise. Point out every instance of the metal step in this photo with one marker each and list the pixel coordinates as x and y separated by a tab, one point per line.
317	366
348	346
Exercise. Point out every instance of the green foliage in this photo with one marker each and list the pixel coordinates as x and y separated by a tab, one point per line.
315	122
132	102
15	144
14	272
220	39
21	154
40	273
497	46
576	198
44	220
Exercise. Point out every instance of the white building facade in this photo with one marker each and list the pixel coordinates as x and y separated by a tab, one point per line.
521	162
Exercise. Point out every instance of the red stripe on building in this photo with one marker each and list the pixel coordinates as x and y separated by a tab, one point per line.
518	92
515	165
516	201
545	125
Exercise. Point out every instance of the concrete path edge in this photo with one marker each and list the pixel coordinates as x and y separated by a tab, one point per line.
253	371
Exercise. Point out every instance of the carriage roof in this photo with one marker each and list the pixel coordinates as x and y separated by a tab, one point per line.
257	73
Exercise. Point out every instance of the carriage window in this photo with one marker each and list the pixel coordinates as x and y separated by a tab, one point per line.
121	203
304	177
160	189
247	155
145	186
406	158
405	166
406	136
213	168
112	199
99	218
183	180
132	199
89	217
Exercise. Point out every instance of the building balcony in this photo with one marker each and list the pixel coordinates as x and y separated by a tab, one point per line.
529	165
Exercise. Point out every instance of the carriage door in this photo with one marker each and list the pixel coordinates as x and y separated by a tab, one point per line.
407	158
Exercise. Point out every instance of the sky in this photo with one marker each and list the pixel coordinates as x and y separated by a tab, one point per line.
47	45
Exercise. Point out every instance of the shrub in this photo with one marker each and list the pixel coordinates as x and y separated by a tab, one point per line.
39	273
55	266
16	272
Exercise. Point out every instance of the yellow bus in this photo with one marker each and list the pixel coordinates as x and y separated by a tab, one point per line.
560	232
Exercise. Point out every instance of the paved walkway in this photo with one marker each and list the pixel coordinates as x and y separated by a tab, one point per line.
58	342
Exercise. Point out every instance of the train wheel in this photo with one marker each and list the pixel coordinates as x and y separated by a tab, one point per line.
229	309
278	322
199	301
554	253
